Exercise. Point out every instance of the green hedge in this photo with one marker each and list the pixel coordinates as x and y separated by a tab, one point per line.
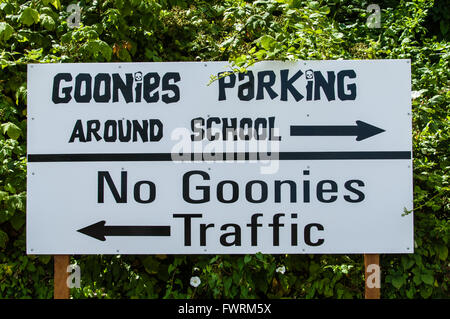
242	32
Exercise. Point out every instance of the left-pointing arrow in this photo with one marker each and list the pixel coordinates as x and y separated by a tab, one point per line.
100	230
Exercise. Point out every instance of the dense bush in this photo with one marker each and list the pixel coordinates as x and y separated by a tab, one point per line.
242	32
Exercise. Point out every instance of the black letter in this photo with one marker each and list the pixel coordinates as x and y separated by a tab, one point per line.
149	87
229	128
246	121
142	130
77	132
248	191
266	85
156	125
187	225
348	186
56	83
249	86
223	85
196	127
126	89
293	188
209	122
260	122
308	235
151	190
306	186
87	79
93	127
124	137
320	191
205	189
203	228
351	87
287	85
328	87
138	92
106	134
254	225
99	78
234	196
102	176
276	228
175	76
236	234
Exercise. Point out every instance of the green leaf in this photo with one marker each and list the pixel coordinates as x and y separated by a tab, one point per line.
6	7
436	99
427	278
227	284
3	195
3	239
426	292
444	27
410	293
11	129
407	262
47	22
325	10
29	16
314	268
124	55
171	268
21	93
31	267
99	47
55	3
150	264
315	15
6	31
443	252
398	281
267	42
17	221
45	259
119	4
240	264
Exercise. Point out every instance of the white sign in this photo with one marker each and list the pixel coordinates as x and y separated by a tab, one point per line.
155	158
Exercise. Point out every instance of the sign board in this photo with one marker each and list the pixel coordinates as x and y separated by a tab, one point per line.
159	158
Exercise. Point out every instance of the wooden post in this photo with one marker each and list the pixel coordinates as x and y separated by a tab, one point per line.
61	289
373	290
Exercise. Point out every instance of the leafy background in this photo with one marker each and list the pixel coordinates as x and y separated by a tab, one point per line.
241	32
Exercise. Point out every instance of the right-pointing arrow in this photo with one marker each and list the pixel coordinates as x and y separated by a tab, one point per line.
361	130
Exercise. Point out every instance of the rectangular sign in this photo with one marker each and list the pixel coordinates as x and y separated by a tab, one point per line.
189	158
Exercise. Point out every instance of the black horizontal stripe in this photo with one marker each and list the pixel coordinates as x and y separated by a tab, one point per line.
324	130
168	157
